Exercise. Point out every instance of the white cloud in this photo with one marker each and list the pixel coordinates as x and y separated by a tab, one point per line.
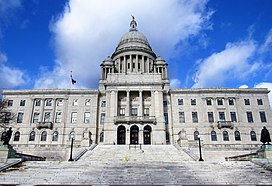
243	86
267	43
234	62
7	6
10	77
175	83
89	31
267	85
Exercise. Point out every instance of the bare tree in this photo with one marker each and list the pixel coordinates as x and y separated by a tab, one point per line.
6	115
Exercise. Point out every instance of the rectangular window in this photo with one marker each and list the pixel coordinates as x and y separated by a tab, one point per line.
181	117
194	117
122	112
249	117
166	118
180	101
7	117
219	101
247	102
88	102
74	117
47	116
10	103
20	117
263	117
58	117
260	101
48	102
146	111
103	103
231	101
134	112
209	101
59	102
87	117
193	101
102	118
164	103
210	117
22	103
233	116
222	116
36	117
37	102
75	102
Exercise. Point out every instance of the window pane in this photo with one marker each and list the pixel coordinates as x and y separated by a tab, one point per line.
55	136
213	136
180	101
253	136
247	102
47	117
237	136
263	117
193	101
194	116
87	117
219	101
43	136
102	119
225	136
260	101
233	116
20	117
58	117
36	117
74	117
181	117
37	102
249	117
210	117
222	116
231	102
209	102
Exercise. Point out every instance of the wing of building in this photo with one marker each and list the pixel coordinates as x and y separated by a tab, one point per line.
135	105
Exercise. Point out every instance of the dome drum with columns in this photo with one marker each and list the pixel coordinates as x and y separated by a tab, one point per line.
134	55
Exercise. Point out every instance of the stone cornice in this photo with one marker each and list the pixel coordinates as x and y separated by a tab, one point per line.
50	91
221	90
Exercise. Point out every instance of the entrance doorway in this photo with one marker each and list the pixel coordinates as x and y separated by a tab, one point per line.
134	135
147	135
121	135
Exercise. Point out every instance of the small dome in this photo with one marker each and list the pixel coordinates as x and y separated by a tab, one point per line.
160	61
107	62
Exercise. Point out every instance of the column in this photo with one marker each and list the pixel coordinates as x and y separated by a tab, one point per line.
166	72
137	63
148	68
119	65
141	103
128	105
125	64
143	65
130	61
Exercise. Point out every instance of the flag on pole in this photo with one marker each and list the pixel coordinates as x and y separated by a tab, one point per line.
72	80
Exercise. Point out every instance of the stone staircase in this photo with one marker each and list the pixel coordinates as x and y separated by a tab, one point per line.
151	165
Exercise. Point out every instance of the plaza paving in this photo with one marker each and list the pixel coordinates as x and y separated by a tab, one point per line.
154	165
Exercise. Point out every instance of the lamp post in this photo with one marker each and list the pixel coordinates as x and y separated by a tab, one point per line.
72	143
200	154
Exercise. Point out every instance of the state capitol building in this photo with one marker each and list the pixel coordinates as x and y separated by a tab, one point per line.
134	104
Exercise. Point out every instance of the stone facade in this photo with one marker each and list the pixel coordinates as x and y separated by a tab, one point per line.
135	105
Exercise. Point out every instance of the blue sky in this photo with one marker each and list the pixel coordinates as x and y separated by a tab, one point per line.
229	42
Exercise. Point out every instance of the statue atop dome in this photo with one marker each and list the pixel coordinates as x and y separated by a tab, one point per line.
133	24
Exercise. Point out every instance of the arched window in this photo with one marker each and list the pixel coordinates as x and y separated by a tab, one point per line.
237	136
32	136
55	136
17	136
196	134
213	136
225	136
44	136
101	138
3	136
253	136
